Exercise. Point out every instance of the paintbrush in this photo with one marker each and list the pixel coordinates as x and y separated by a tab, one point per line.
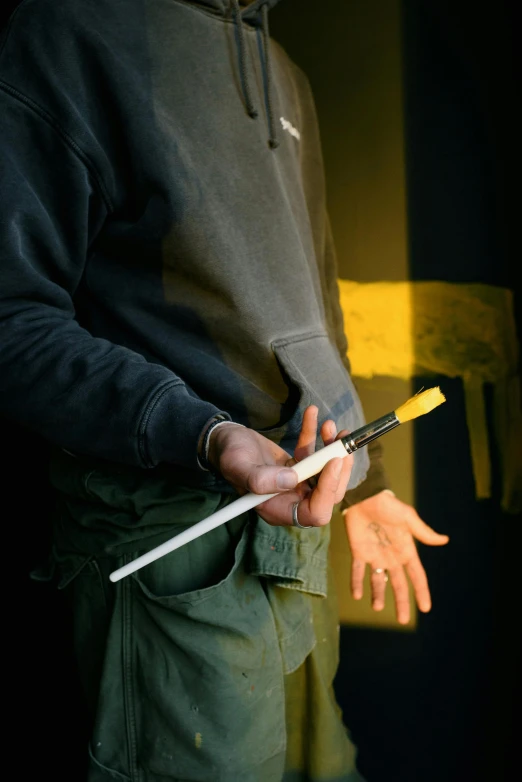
418	405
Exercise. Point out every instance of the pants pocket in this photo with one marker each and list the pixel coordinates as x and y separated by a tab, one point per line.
100	773
206	675
89	596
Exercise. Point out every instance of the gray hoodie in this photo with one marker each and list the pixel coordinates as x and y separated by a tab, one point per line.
166	253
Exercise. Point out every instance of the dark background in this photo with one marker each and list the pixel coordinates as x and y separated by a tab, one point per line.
439	703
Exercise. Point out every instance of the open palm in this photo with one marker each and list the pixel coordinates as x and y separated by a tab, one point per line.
382	531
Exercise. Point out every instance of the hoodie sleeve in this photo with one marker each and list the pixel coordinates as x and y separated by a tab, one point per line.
376	479
79	392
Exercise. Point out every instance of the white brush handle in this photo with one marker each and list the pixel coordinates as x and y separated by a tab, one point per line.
309	466
314	463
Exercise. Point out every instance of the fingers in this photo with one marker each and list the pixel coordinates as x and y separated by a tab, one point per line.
308	434
316	509
423	532
357	578
262	479
250	462
378	581
316	506
401	593
419	582
396	577
329	435
346	471
328	432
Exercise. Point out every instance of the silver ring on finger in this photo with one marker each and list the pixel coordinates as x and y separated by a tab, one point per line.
295	520
377	572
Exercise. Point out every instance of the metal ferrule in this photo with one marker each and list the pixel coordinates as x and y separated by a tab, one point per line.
370	432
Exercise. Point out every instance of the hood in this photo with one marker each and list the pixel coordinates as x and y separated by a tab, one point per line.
250	9
253	14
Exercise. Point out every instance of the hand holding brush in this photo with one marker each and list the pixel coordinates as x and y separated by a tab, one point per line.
333	478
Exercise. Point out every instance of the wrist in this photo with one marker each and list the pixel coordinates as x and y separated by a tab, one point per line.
203	457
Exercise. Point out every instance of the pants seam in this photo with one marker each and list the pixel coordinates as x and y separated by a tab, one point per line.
128	671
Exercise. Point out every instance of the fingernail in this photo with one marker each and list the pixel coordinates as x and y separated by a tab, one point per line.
286	479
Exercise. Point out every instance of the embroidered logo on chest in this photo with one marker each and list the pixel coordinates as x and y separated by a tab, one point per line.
290	128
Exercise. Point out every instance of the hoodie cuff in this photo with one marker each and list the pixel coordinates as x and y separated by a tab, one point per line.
375	481
172	425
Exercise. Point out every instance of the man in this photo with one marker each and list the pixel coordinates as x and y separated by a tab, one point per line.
169	274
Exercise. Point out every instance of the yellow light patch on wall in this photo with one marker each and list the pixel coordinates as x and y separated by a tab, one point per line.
379	328
401	329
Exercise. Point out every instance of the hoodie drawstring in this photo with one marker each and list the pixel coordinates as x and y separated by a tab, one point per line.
244	73
272	140
243	70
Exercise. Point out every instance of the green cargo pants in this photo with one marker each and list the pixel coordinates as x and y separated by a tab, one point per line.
213	664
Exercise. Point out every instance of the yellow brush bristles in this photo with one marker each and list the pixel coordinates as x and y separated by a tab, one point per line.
420	404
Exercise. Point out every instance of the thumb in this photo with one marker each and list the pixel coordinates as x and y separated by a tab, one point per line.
425	533
263	479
